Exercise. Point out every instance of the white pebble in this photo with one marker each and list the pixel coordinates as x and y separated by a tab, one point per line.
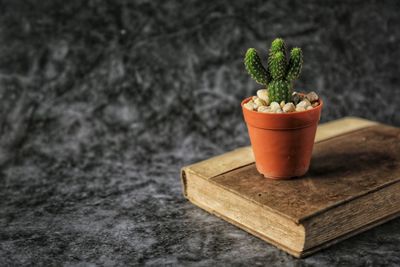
282	104
263	94
279	110
274	106
259	102
249	105
289	107
264	109
304	103
309	107
300	109
312	96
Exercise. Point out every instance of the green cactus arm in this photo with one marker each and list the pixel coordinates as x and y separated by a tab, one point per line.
278	45
255	68
277	66
295	64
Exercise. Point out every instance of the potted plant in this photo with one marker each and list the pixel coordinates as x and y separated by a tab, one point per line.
281	123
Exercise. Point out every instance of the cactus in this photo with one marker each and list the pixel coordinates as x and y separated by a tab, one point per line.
280	74
295	64
255	68
277	66
278	45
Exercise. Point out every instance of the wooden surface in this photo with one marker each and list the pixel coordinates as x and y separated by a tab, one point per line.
352	215
342	168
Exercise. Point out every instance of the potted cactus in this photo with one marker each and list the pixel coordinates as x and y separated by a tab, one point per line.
281	123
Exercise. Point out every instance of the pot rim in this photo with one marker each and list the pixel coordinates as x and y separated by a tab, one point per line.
321	103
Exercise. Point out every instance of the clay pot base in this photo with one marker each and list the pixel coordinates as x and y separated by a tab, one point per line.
282	178
279	178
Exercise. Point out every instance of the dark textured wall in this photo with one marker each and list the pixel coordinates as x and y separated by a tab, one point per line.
102	102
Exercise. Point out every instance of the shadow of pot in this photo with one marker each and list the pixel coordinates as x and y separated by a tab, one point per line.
282	143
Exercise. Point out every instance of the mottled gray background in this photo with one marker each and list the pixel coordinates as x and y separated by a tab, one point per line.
102	102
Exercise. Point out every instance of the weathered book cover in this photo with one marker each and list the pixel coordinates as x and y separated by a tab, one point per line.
353	184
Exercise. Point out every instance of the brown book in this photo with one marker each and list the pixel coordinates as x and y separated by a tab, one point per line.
353	184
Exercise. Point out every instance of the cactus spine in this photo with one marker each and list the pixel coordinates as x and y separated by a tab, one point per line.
280	74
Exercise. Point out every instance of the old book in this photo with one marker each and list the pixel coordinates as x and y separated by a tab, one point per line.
353	184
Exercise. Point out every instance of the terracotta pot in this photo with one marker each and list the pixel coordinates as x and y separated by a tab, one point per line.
282	142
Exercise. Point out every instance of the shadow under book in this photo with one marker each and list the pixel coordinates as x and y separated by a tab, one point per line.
353	185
